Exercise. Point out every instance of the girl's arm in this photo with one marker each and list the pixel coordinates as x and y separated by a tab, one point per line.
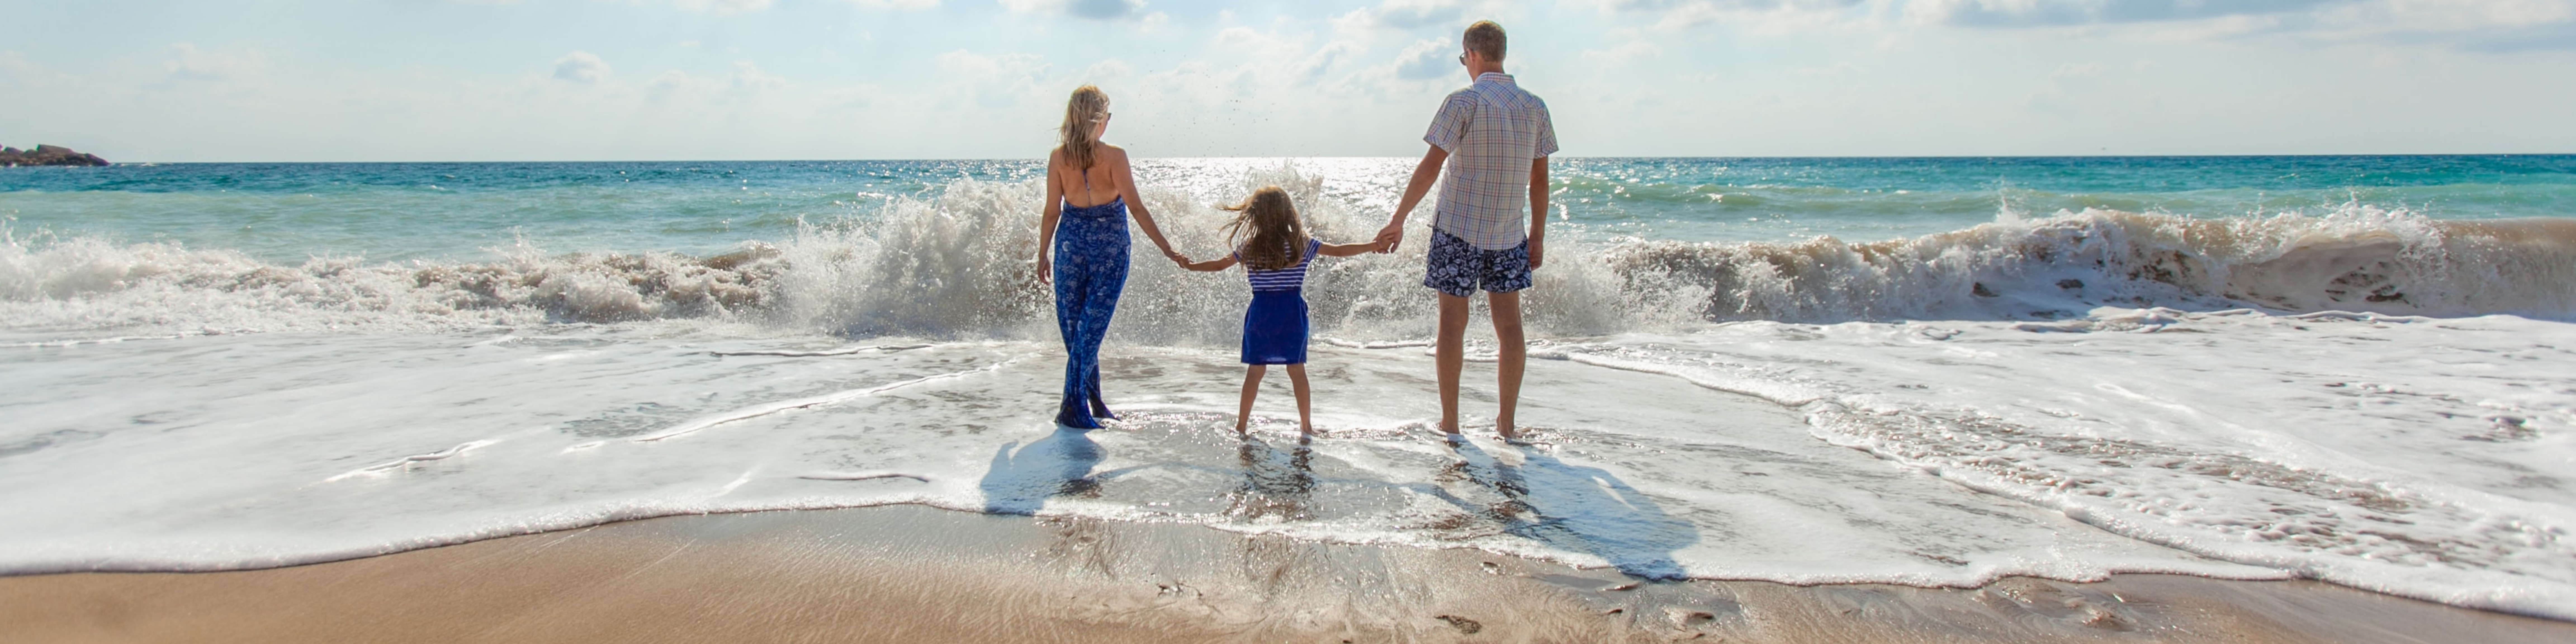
1136	203
1054	209
1217	264
1346	250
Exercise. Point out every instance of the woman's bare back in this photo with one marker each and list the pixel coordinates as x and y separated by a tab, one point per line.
1095	186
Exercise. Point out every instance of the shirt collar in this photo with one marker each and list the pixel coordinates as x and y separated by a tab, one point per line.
1498	77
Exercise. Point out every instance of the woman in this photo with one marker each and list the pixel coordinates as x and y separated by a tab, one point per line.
1090	245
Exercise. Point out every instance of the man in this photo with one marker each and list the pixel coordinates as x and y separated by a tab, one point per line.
1489	147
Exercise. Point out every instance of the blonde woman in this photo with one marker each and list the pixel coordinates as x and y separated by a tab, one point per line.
1089	193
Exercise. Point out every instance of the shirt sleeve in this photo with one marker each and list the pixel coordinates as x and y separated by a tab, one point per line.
1546	134
1451	123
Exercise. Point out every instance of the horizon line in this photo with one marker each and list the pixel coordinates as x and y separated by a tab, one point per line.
1668	157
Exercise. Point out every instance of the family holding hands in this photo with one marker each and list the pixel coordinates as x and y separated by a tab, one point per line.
1489	145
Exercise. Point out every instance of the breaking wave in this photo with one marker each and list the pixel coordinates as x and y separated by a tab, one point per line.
959	265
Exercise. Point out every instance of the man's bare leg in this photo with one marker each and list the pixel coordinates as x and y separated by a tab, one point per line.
1449	356
1513	358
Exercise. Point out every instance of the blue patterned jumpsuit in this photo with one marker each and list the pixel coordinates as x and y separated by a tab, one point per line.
1090	272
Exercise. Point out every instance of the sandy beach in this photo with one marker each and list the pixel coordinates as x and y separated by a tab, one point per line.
909	573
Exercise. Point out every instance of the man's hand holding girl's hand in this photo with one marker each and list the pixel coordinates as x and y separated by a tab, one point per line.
1390	237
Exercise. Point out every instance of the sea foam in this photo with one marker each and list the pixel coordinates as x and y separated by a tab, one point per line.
2362	394
960	266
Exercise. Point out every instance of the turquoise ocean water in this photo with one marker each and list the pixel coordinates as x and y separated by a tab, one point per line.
453	211
1935	372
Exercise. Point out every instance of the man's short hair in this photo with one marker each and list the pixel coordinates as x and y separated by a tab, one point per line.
1486	39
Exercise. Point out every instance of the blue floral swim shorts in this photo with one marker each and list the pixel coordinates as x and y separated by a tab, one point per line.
1460	268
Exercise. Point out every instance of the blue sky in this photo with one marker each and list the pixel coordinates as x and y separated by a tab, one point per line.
392	80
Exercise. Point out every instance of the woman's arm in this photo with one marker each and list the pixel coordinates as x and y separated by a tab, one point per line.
1126	179
1217	264
1046	222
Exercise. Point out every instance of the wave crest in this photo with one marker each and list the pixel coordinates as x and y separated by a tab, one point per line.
961	265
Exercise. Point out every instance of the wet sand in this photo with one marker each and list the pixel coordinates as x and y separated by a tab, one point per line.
914	574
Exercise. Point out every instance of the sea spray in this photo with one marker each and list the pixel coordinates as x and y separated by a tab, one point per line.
961	265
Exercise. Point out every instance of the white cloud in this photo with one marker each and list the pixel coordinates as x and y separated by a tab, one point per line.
1093	9
581	67
1760	15
994	82
1107	70
186	62
1631	48
15	67
895	4
2065	86
1317	64
725	7
1428	59
2472	23
2023	13
748	78
672	83
1412	14
2475	24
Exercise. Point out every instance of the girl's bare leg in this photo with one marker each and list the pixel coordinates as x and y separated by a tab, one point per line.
1251	387
1297	381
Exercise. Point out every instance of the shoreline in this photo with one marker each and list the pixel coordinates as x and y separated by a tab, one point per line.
915	573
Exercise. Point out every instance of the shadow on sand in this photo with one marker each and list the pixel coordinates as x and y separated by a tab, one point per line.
1578	508
1059	464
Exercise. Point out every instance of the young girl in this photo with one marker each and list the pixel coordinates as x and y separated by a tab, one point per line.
1274	251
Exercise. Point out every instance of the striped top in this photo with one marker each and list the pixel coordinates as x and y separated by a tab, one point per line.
1492	130
1292	278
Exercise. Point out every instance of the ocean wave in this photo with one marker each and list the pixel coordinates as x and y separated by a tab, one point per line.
960	265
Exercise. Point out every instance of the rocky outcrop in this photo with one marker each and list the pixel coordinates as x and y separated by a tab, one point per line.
47	155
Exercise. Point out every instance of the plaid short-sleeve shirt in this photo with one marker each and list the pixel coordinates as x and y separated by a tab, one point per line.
1492	131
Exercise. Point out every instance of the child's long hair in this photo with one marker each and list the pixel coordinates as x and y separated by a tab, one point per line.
1082	111
1272	236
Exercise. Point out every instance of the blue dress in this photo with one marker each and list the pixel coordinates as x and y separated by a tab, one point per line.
1090	272
1274	328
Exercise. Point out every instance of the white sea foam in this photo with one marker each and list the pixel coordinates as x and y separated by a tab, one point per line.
959	266
2367	396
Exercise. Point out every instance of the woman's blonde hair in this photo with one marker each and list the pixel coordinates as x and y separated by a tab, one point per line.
1082	115
1273	236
